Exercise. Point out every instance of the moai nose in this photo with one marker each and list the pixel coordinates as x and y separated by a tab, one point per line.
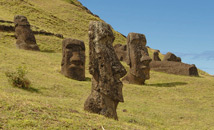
145	58
75	57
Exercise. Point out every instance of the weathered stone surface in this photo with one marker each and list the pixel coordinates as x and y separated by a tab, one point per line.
138	59
173	67
106	70
25	37
73	59
171	57
121	51
156	56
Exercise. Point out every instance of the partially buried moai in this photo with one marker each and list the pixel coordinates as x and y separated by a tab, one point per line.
73	59
25	37
156	56
106	70
138	59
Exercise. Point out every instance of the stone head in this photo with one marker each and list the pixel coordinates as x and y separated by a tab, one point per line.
102	54
138	58
20	20
104	64
73	62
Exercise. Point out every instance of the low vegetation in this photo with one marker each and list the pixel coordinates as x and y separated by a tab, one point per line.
56	102
18	78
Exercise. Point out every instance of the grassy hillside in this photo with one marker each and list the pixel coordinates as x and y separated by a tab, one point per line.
57	16
56	102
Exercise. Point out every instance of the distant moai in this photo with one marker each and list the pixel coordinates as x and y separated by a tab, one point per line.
25	37
172	67
73	59
171	57
106	70
138	59
121	51
156	56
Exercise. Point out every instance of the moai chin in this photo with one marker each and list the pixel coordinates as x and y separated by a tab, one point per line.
106	70
25	37
73	59
138	59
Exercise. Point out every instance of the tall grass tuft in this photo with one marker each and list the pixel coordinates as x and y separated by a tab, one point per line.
18	78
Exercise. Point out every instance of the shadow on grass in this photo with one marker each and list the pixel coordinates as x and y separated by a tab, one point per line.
87	79
30	89
172	84
48	51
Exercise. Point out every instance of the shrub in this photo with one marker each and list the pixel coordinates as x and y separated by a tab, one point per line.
18	79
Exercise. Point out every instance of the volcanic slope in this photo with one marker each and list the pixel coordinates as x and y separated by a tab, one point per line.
56	102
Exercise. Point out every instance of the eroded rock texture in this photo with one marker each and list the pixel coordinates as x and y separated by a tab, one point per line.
25	37
172	67
156	56
106	70
138	59
171	57
121	51
73	60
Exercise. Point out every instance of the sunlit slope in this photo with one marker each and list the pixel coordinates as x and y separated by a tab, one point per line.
58	16
56	102
67	17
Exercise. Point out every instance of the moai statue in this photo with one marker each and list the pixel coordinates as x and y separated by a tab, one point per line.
171	57
138	59
73	59
121	51
156	56
25	37
106	70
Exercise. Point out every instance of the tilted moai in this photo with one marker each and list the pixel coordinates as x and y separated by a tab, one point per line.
172	67
106	70
25	37
156	56
73	59
171	57
138	59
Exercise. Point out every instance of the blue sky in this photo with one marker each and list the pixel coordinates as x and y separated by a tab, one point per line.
183	27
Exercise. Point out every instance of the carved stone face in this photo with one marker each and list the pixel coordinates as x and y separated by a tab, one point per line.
25	37
138	55
104	64
21	20
73	62
106	70
156	56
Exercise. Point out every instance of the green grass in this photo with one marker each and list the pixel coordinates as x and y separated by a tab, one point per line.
56	102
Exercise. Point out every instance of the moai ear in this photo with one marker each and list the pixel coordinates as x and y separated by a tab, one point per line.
128	52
